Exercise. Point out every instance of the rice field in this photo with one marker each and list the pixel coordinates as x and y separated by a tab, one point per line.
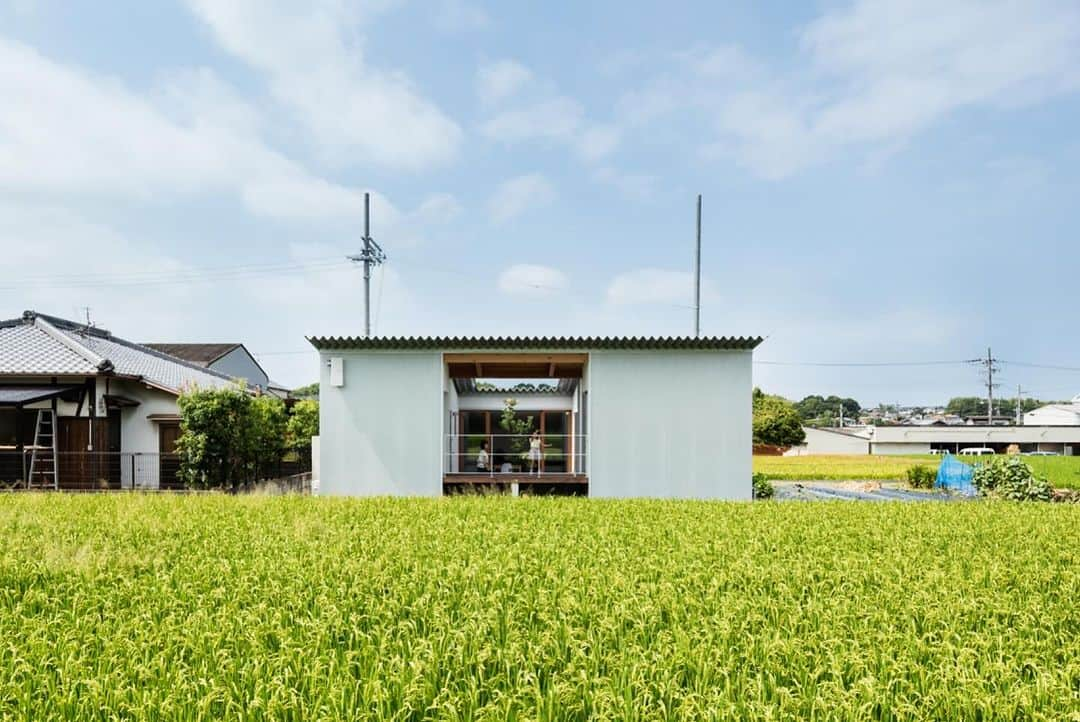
1062	471
840	467
211	607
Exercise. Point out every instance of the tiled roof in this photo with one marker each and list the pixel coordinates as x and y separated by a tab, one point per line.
45	345
510	343
202	354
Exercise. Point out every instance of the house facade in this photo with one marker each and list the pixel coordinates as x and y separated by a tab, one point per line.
605	417
81	408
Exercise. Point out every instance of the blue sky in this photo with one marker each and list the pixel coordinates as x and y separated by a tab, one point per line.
882	181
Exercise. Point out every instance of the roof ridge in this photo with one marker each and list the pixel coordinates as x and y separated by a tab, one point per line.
99	362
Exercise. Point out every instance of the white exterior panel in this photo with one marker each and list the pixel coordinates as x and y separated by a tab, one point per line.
674	424
381	432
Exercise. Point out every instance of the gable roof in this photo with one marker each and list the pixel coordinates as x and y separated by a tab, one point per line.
40	345
515	343
202	354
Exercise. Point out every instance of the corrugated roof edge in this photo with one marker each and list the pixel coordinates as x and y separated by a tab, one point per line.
511	343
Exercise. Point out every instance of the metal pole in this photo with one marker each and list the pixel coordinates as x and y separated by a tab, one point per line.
989	388
367	264
697	274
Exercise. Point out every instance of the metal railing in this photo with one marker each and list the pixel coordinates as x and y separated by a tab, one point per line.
495	455
109	470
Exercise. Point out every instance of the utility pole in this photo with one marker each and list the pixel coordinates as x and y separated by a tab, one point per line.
841	416
372	255
989	365
697	274
1019	405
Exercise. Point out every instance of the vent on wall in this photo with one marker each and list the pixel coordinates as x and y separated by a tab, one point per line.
337	371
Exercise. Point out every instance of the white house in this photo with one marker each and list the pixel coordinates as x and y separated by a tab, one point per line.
617	417
1055	415
81	408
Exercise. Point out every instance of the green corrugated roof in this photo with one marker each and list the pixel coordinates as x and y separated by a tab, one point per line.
516	343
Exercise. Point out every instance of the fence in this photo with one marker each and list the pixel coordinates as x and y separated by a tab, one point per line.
493	454
104	471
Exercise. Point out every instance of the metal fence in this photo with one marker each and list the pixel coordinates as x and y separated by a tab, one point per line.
495	454
105	471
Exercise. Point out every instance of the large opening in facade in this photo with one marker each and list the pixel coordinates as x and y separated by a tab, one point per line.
515	423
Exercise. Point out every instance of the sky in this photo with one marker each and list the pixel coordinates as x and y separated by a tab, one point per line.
883	182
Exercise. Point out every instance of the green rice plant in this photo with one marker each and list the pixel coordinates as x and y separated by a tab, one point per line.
131	607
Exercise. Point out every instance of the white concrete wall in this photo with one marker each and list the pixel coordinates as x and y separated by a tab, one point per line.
821	441
381	433
900	448
670	424
1053	416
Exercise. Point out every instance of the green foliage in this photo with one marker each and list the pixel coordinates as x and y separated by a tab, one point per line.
228	436
921	477
216	607
302	425
1009	477
824	411
966	406
776	422
763	488
518	428
310	391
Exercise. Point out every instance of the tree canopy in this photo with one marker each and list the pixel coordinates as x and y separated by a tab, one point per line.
823	411
776	421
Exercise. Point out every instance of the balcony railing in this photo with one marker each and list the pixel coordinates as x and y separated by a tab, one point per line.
498	455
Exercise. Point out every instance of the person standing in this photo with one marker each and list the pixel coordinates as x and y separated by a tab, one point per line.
535	452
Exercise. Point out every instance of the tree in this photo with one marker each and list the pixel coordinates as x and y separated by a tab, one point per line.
302	425
776	422
268	421
310	391
519	429
822	411
228	436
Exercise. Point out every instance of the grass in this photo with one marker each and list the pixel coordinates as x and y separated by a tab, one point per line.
1062	471
163	608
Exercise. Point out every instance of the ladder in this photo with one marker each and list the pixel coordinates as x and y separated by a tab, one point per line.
43	454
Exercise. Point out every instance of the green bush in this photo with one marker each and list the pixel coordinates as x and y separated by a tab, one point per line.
921	477
763	488
1010	478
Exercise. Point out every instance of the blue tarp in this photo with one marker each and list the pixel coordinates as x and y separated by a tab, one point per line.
955	476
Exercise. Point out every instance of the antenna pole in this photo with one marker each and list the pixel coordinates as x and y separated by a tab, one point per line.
697	274
372	255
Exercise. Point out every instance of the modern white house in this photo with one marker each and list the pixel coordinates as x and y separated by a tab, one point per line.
81	408
613	417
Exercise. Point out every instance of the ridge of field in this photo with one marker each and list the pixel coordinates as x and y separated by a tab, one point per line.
1063	472
257	608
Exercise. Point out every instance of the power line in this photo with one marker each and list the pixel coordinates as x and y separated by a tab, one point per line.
1042	366
852	364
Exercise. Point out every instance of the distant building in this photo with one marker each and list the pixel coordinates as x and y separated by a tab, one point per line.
911	439
1055	415
231	359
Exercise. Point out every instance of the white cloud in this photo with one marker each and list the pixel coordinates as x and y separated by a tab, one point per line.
638	186
314	66
655	286
557	118
69	132
599	141
526	279
520	194
501	79
869	74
